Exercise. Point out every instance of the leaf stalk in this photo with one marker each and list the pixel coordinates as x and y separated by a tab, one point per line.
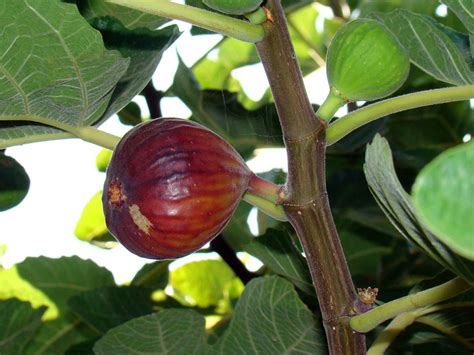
226	25
346	124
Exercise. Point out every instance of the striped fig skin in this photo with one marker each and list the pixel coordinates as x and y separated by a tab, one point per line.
171	187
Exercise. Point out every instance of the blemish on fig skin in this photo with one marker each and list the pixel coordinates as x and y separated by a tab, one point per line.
139	219
115	194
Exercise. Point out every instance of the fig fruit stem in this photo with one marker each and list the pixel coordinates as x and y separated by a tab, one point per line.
329	107
212	21
304	197
366	322
346	124
265	195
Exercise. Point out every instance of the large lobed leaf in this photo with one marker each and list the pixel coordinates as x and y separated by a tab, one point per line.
66	78
53	65
269	318
52	282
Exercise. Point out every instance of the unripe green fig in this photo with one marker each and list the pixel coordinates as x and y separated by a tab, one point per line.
365	62
171	187
233	7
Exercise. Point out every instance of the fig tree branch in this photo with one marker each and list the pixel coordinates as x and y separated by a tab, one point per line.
304	196
346	124
212	21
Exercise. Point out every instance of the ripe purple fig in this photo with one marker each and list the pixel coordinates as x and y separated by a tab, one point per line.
171	187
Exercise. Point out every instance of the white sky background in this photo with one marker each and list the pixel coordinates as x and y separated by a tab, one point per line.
63	174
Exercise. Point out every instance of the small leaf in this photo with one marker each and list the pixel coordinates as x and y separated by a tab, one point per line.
277	251
18	323
14	182
91	224
171	331
106	308
443	195
131	114
463	9
271	319
153	275
398	207
203	283
429	47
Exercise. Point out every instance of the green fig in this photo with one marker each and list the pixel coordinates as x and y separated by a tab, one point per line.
365	62
233	7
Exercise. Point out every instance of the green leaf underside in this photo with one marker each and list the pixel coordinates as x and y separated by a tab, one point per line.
144	48
398	207
269	318
18	323
443	195
14	182
65	74
429	47
464	10
277	251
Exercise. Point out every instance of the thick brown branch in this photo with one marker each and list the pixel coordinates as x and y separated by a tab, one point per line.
305	201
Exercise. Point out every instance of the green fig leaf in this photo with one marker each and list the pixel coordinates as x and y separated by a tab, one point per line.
171	331
429	46
277	251
154	275
443	195
65	75
399	209
271	303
